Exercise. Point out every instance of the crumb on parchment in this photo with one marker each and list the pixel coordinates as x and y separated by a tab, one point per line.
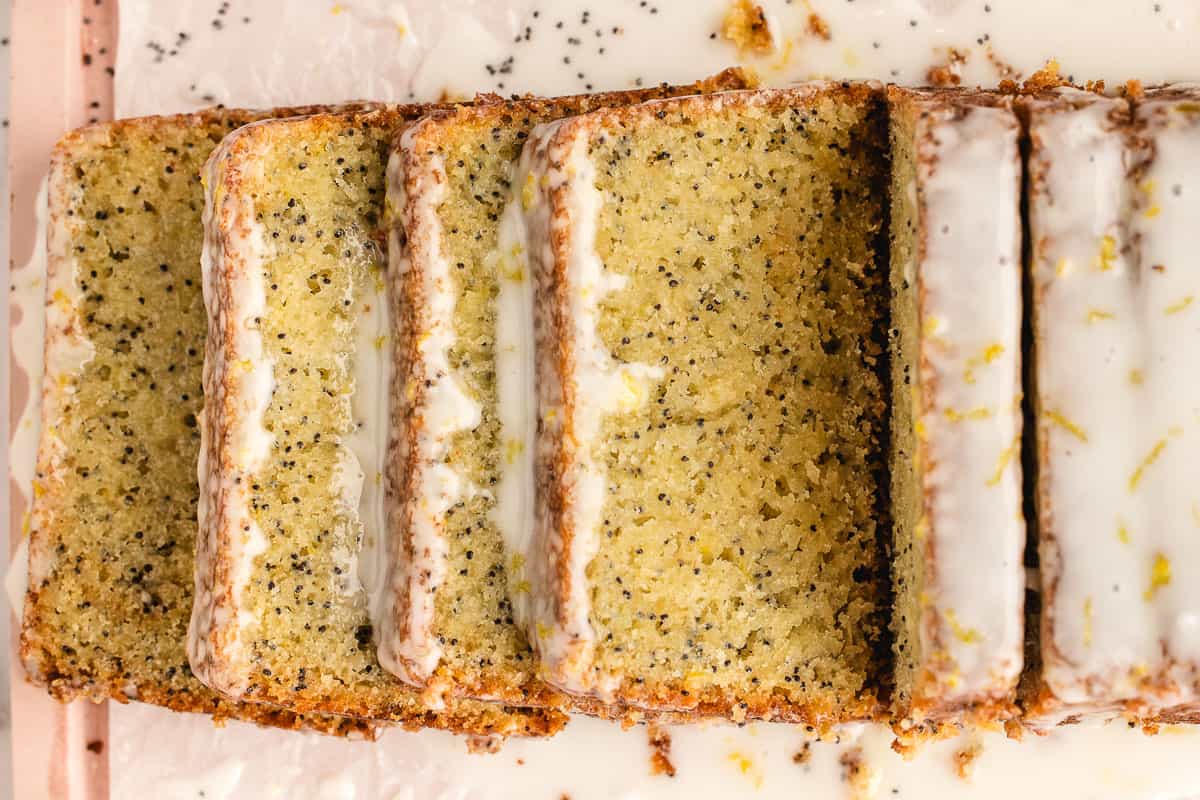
660	752
745	24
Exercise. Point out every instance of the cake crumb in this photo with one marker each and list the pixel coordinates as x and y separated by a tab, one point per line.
660	755
861	780
745	25
818	27
949	72
477	745
803	755
964	759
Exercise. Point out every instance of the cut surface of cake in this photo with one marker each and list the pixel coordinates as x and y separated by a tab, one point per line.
462	480
1112	213
294	427
114	514
956	414
710	321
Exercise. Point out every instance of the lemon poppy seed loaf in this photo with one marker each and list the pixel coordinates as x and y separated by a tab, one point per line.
1112	210
295	420
710	321
956	413
462	475
114	513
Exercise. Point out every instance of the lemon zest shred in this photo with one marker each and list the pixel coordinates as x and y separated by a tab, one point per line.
1088	614
1108	253
1175	308
1059	419
1150	458
1160	576
1006	457
963	634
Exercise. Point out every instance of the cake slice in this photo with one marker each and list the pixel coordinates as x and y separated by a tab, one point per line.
710	320
295	426
462	476
114	512
956	414
1112	214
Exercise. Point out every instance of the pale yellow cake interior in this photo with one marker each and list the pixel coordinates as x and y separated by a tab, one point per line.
739	551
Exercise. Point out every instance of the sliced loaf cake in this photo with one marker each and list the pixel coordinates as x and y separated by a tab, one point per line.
710	321
114	512
294	426
462	479
1112	213
956	414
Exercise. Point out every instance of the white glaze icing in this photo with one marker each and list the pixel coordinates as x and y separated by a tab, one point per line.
969	285
1119	401
516	399
363	451
407	643
232	259
28	293
556	182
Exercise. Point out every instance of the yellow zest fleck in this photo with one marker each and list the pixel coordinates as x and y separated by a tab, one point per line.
512	449
1063	267
1136	377
1108	253
983	412
1147	186
1059	419
634	391
785	57
527	192
921	429
1152	212
1088	614
1160	576
920	531
1181	305
1094	315
542	631
963	634
932	325
849	57
989	354
1122	532
337	9
38	489
402	30
517	563
1150	458
1006	457
61	299
1188	108
523	587
516	275
745	765
380	342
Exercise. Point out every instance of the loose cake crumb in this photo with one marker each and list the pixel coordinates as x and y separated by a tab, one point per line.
860	778
949	72
745	25
660	755
477	745
818	27
964	759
